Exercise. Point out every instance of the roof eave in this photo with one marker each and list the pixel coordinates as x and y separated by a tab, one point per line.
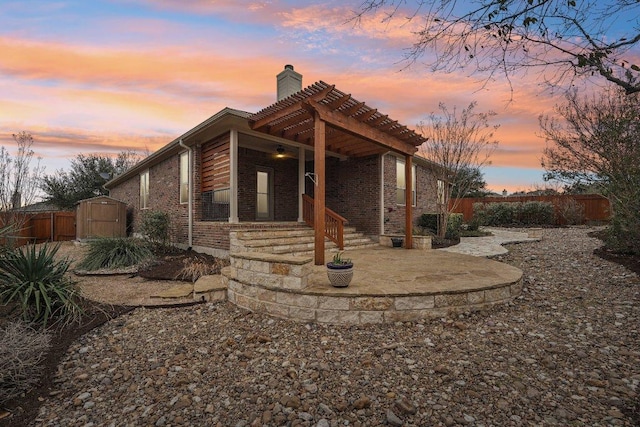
230	115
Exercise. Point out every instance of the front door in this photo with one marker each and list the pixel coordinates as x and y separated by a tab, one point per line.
264	201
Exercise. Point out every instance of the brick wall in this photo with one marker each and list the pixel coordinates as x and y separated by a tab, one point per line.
285	185
353	191
164	195
426	185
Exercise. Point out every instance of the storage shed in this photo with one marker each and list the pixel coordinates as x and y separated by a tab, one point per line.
101	216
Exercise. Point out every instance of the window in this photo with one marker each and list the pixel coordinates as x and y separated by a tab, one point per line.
440	192
215	205
184	177
264	194
144	190
401	184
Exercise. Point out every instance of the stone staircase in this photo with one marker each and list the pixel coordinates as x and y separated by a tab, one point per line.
294	241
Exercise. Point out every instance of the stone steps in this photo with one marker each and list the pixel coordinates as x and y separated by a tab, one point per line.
297	241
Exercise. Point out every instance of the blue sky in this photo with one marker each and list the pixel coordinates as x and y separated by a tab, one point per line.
103	76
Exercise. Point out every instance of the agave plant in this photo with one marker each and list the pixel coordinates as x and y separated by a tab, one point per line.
32	278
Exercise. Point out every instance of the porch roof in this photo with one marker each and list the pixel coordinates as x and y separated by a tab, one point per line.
353	128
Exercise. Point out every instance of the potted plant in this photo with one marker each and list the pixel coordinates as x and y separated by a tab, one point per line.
340	271
397	242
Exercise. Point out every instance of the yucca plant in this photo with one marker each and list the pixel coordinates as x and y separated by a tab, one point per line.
32	277
114	253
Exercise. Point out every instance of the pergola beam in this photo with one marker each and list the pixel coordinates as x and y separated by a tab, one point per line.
359	129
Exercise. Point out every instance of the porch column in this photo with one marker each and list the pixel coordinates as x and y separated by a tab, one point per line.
233	178
318	196
301	165
408	199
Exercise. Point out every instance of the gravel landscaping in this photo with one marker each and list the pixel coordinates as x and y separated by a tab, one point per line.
567	352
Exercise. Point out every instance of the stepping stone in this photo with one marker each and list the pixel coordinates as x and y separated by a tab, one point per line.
209	283
210	288
179	291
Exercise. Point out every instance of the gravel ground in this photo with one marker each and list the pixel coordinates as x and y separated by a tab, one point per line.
567	352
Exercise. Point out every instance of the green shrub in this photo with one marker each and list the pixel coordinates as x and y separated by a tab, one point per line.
21	354
500	213
509	213
534	213
429	221
154	227
114	252
454	224
38	283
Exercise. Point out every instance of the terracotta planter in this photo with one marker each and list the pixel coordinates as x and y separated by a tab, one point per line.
340	275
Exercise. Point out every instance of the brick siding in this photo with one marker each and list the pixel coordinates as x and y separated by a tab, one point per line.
426	184
164	195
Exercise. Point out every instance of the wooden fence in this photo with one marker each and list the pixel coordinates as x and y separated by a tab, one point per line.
41	227
596	207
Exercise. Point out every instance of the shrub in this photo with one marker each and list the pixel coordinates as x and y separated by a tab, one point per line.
500	213
571	212
21	354
38	283
454	224
154	227
193	269
429	221
534	213
508	213
114	253
6	241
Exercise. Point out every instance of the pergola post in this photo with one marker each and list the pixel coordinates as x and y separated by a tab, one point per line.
408	198
301	166
319	191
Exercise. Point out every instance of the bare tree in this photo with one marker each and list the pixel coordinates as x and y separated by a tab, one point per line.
18	179
596	140
457	142
565	38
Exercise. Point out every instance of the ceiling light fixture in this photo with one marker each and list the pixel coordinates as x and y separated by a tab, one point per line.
280	151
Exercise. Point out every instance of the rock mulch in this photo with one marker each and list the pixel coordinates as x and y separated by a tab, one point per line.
567	352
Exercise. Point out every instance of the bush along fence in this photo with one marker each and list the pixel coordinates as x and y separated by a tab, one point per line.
568	209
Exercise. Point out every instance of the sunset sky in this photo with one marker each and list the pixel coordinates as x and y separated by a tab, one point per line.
104	76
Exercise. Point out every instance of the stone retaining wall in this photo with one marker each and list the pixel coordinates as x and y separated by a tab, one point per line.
275	285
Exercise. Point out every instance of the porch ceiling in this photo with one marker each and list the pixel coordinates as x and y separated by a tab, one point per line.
353	128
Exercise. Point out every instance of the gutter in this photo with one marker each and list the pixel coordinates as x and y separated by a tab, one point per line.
190	201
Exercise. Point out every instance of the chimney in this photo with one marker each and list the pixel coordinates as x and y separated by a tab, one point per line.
289	82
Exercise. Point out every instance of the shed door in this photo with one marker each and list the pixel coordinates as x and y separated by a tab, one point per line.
103	219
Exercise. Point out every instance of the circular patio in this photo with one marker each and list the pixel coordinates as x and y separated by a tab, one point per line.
389	285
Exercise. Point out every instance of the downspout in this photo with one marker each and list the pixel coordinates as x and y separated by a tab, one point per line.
189	198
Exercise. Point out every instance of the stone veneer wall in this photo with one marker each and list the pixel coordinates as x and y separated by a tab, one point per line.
275	285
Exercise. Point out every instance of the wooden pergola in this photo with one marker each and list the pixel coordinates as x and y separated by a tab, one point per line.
326	119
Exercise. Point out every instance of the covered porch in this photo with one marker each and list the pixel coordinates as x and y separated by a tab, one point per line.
326	120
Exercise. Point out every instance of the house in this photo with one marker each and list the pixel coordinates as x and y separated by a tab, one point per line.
315	153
